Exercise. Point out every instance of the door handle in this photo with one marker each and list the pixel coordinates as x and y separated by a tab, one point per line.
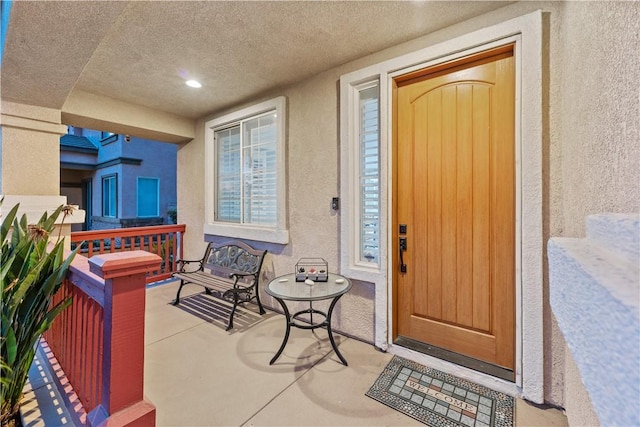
403	248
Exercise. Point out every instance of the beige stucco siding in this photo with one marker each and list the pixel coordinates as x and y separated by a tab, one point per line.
591	122
30	150
599	110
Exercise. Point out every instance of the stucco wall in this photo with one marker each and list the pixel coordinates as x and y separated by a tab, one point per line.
312	167
594	135
595	297
600	111
91	111
190	184
30	150
590	146
577	403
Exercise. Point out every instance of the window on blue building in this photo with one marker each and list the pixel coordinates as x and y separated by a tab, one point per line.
148	200
107	137
110	196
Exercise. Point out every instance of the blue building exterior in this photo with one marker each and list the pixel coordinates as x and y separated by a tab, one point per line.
119	180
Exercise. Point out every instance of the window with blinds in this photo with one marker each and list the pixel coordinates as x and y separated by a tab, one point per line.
246	171
369	140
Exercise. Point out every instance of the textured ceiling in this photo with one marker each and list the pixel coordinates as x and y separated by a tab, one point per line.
142	52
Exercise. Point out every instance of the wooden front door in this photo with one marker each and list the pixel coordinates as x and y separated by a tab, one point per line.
454	190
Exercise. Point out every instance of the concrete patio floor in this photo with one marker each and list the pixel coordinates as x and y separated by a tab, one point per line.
198	374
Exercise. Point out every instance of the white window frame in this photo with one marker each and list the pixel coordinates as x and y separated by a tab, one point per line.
138	195
350	262
277	234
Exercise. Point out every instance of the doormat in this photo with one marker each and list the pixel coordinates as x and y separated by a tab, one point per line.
438	399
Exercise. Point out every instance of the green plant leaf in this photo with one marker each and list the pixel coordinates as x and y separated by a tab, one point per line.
27	282
7	221
50	221
48	319
31	275
5	268
6	372
24	225
11	346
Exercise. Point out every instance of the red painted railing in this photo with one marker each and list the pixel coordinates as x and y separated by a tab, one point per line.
162	240
99	340
76	336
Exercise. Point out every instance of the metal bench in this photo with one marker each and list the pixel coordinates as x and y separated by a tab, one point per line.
229	270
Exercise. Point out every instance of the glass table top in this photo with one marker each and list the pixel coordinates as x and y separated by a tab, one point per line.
286	287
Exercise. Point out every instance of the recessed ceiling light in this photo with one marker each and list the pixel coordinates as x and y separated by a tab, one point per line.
193	83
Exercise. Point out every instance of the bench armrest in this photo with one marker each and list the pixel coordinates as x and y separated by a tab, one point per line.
183	263
241	274
238	275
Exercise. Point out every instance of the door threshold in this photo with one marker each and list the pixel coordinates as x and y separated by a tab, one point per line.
458	359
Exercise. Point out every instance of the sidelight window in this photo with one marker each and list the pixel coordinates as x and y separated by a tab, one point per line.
362	250
369	158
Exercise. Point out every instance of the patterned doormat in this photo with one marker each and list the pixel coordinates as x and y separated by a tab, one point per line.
439	399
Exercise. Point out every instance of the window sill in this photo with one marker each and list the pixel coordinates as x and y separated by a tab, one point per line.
366	273
269	235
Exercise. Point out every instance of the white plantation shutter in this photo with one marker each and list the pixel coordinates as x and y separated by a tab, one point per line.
246	172
259	190
228	177
369	138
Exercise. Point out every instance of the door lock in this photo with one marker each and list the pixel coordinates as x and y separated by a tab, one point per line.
403	248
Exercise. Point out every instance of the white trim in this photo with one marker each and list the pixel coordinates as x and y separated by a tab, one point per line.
278	234
351	265
34	206
518	207
246	231
526	32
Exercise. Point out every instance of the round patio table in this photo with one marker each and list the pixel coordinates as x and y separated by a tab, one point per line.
285	288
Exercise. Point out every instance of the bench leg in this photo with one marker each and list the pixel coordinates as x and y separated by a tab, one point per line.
236	301
177	301
259	302
233	311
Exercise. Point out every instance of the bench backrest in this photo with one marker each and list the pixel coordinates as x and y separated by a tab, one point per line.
232	257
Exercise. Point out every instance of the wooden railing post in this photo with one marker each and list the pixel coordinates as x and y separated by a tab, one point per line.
124	275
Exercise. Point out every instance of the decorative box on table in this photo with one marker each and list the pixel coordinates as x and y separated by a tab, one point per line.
316	269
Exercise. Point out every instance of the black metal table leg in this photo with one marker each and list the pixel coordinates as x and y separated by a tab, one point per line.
330	331
327	323
285	288
286	335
